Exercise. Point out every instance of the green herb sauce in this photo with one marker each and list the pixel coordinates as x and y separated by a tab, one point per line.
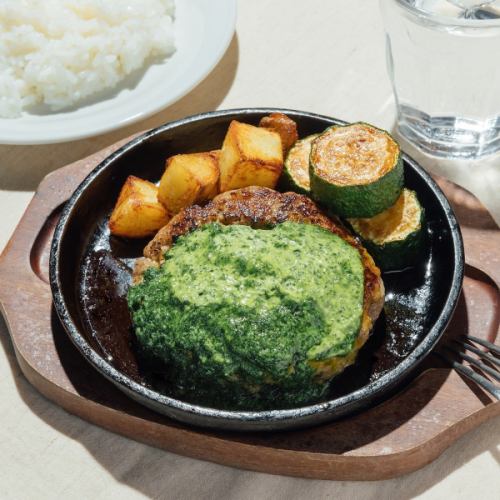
235	314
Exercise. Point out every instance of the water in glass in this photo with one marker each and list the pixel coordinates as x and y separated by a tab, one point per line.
444	62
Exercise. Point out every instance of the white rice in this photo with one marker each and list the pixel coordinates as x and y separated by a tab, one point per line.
57	52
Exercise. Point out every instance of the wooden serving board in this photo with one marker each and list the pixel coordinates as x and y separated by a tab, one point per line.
398	436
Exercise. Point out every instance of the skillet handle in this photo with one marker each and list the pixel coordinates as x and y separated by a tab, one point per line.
24	261
482	251
479	231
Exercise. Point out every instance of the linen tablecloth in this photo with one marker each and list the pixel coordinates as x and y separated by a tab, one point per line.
324	57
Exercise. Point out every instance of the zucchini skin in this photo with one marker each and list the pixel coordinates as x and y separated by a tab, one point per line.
401	254
362	200
287	182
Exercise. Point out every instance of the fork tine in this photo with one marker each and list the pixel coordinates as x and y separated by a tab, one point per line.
481	354
487	385
492	347
473	361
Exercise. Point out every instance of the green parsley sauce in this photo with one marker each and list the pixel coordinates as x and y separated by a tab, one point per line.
235	314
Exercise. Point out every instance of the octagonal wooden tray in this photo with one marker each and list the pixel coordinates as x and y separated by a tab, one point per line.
399	435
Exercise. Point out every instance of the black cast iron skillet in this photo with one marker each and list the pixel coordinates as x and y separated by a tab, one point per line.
89	275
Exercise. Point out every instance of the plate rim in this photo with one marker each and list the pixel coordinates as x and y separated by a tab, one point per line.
226	36
252	420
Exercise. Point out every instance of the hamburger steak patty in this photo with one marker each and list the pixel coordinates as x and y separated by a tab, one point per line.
261	207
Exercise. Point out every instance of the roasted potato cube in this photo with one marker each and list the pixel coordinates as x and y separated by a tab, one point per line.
284	126
137	212
250	156
189	179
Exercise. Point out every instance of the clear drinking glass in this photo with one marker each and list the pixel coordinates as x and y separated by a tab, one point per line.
444	63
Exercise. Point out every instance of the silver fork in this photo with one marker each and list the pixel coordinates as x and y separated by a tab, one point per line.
488	362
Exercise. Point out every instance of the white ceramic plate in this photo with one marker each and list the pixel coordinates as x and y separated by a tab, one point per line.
203	31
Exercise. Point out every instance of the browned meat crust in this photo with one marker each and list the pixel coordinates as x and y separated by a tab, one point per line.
263	207
252	206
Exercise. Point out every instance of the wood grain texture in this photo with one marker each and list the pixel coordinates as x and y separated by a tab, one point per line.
400	435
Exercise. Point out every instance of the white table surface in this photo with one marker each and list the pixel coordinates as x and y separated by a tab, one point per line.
322	56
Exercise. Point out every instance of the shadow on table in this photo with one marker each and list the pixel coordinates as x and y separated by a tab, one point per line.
33	163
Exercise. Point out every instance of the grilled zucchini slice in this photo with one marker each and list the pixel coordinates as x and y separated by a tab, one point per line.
395	237
356	170
295	175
